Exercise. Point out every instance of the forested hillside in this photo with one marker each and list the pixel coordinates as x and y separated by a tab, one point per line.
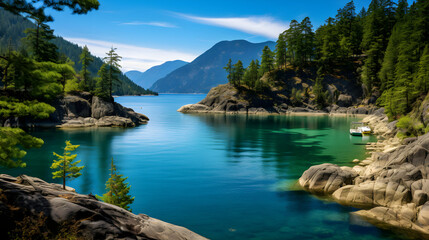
385	49
12	29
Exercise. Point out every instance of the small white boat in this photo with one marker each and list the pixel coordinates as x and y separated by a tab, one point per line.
358	129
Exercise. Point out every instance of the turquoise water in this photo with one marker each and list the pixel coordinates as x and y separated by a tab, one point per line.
224	177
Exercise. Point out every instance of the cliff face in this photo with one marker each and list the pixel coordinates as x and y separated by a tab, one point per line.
392	184
83	110
33	209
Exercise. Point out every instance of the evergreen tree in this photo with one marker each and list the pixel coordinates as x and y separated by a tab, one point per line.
11	142
112	67
327	44
36	7
237	73
102	87
228	69
251	74
39	40
86	59
281	51
305	47
65	165
267	61
423	72
118	191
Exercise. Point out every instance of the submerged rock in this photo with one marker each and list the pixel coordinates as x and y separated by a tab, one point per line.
26	200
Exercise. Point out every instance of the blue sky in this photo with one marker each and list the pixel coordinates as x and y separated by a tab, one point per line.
149	32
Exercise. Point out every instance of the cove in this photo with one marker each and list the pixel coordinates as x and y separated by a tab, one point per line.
222	176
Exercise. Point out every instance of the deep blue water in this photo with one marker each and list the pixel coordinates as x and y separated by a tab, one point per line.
224	177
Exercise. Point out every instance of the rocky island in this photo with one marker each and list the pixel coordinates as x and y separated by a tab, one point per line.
82	109
284	92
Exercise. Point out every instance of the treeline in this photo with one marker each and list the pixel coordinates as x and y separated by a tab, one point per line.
386	44
12	33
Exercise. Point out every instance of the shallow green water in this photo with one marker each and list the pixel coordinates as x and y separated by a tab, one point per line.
225	177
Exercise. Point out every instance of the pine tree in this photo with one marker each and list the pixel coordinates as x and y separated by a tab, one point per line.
102	85
251	74
112	65
86	60
423	73
65	165
237	73
281	51
117	190
228	69
39	40
267	61
306	45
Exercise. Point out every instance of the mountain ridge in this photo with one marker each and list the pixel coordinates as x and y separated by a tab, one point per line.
147	78
206	71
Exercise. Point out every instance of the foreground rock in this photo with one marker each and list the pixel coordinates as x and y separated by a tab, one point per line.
228	99
83	110
30	206
393	184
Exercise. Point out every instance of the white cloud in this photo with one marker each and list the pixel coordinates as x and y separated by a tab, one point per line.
155	24
261	26
133	57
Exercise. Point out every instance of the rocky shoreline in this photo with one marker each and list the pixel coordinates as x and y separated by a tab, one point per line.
392	185
31	207
225	99
82	110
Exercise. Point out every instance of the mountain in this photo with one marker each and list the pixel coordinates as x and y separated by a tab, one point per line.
147	78
206	71
12	31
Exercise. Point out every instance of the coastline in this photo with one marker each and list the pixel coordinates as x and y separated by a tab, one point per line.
390	186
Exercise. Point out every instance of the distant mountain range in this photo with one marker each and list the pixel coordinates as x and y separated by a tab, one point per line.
147	78
206	71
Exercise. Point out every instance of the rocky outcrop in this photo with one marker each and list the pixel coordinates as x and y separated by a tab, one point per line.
230	100
38	206
83	110
392	184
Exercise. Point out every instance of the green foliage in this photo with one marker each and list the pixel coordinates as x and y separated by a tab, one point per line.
11	142
36	7
39	40
11	107
237	73
296	96
267	61
281	58
66	168
86	59
410	127
117	190
102	89
112	71
251	74
12	31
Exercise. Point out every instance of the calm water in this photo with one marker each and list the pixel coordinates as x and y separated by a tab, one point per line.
225	177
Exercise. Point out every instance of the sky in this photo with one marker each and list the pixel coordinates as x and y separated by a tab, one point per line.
147	33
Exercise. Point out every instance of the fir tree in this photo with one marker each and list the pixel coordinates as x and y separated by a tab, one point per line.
112	67
267	61
85	60
281	51
237	73
228	69
65	165
423	73
117	190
